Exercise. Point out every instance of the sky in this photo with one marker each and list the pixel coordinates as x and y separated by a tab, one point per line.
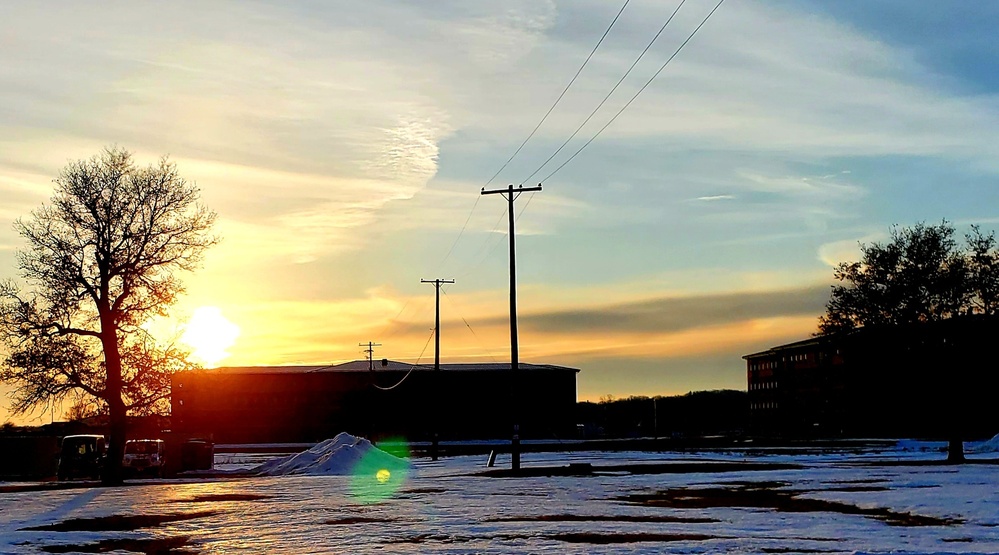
344	147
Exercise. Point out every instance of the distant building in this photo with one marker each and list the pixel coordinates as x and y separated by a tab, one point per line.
798	389
262	404
903	381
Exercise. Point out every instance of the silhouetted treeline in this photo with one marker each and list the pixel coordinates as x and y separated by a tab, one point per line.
700	413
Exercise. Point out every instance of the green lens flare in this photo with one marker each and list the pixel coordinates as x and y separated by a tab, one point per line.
381	472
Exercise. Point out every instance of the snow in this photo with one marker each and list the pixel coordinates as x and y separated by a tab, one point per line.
990	446
445	507
339	456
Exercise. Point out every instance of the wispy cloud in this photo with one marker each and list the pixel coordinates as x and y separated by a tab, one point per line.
674	314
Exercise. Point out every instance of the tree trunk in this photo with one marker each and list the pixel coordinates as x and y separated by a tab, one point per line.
955	449
112	474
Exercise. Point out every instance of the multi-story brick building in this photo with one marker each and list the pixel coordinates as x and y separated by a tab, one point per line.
918	380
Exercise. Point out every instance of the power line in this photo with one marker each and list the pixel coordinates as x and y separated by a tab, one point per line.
467	325
602	102
535	130
397	384
647	83
489	244
460	233
559	99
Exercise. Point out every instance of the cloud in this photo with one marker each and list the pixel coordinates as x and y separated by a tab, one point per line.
302	123
714	198
656	325
836	252
675	314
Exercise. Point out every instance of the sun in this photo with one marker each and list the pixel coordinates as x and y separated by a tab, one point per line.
209	333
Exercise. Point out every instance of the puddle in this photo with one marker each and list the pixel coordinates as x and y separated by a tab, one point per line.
118	523
605	518
157	546
763	496
593	538
360	520
208	498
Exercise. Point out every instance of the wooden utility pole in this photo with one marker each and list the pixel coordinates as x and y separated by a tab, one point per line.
437	360
511	194
371	353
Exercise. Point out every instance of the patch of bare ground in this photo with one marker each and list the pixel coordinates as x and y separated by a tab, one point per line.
155	546
584	469
860	481
612	538
422	490
360	520
219	497
857	489
593	538
796	550
605	518
764	496
118	523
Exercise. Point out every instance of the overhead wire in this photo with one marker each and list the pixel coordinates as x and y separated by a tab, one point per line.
604	101
559	99
460	232
492	240
623	108
535	130
414	367
647	83
469	326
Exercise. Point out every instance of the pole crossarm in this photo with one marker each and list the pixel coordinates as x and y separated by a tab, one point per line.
437	358
510	193
371	353
437	322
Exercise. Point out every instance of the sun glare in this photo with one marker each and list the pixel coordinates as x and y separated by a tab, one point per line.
209	333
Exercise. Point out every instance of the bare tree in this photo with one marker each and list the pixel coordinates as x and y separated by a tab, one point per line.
100	263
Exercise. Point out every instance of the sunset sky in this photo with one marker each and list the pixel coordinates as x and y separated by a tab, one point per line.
344	145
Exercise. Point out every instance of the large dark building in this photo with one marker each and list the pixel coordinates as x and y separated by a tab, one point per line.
262	404
918	380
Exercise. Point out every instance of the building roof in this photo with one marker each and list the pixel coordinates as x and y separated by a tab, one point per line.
810	342
389	365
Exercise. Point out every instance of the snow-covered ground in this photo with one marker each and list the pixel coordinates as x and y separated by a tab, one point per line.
443	507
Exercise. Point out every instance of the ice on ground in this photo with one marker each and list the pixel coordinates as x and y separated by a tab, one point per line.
445	507
339	456
918	446
990	446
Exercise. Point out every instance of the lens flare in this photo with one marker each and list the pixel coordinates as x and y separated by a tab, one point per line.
381	472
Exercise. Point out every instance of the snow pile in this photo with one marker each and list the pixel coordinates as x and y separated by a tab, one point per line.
990	446
340	456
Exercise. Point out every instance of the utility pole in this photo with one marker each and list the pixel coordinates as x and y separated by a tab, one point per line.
437	359
511	194
371	353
